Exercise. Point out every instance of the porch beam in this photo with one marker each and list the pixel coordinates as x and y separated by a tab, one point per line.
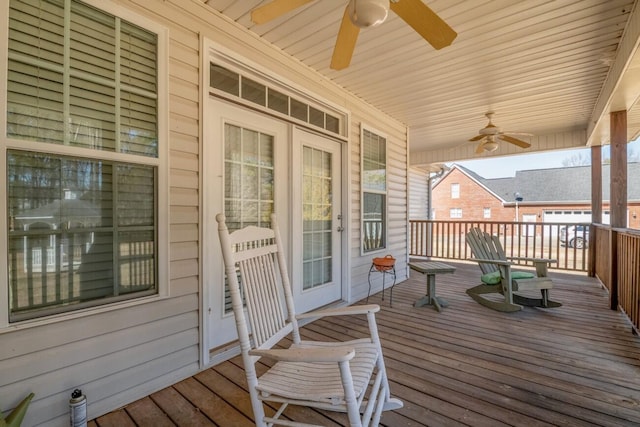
466	151
621	88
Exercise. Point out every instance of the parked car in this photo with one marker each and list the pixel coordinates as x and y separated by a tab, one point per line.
575	236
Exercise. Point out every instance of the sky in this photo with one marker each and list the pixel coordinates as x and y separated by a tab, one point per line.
500	167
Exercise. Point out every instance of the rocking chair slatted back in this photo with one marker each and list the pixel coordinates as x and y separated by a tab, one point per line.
262	299
255	253
485	246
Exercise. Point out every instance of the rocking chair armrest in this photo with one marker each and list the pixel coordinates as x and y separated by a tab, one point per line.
534	260
309	355
341	311
492	261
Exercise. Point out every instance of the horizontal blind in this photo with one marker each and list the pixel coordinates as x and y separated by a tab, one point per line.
138	77
35	79
107	100
374	169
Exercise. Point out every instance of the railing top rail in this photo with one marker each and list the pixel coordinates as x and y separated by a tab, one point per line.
469	221
626	231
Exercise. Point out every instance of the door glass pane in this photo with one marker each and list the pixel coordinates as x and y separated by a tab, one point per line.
317	214
248	181
248	171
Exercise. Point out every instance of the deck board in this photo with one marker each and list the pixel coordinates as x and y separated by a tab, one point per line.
576	365
145	412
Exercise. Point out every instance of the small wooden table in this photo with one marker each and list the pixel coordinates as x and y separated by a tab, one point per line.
431	268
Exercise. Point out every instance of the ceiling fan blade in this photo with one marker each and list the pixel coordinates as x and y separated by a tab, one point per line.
515	141
425	21
480	148
275	9
477	138
517	133
345	43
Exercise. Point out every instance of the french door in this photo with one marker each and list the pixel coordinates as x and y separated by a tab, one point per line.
254	165
317	220
245	176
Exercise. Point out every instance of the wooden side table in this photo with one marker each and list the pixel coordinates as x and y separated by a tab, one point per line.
430	269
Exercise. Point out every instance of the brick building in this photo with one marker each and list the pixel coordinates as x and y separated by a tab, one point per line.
544	195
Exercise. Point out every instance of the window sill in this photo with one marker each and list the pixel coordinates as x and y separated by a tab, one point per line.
79	314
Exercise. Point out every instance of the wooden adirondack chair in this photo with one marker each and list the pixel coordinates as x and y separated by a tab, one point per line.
339	376
498	277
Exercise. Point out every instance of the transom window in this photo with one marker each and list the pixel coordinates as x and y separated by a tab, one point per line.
254	93
82	222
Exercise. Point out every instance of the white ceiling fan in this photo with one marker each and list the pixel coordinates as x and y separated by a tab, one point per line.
489	135
367	13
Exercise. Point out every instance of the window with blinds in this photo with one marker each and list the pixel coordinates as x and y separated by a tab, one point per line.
83	229
374	191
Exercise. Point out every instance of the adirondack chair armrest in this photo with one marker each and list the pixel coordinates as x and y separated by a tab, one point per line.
492	261
310	355
535	260
341	311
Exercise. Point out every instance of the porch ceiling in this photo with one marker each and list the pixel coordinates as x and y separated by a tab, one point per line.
554	69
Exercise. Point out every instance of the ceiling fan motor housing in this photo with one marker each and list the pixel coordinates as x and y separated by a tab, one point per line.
490	129
368	13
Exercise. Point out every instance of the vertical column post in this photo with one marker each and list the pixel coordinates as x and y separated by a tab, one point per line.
596	203
617	194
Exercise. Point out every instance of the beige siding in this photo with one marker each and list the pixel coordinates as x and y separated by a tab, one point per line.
418	193
117	355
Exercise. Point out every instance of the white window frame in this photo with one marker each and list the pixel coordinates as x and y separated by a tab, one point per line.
364	190
455	213
161	162
455	191
486	213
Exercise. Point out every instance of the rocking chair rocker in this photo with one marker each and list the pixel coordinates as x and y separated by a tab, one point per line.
340	376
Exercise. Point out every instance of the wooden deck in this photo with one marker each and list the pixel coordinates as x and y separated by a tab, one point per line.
577	365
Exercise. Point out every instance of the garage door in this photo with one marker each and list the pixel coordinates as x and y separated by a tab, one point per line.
571	216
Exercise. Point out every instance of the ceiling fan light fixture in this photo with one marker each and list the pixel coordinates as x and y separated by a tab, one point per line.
368	13
490	146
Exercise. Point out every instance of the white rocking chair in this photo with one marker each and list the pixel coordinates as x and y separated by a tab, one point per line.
339	376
